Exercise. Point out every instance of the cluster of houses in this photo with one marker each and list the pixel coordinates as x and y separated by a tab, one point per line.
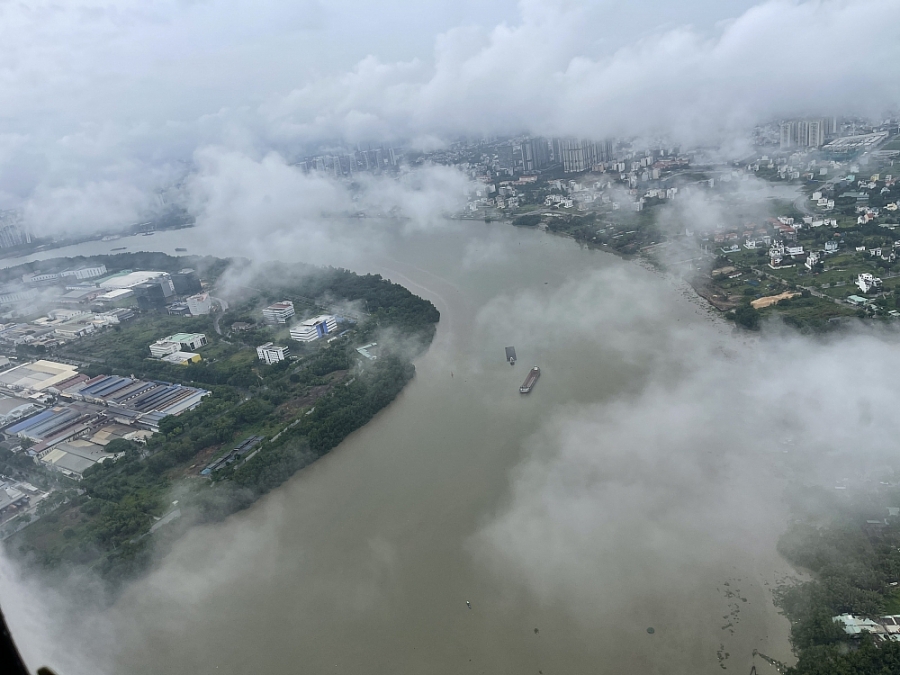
883	629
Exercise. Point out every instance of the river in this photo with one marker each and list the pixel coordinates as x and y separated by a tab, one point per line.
363	562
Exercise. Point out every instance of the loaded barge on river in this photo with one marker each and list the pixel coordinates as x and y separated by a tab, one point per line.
511	355
528	385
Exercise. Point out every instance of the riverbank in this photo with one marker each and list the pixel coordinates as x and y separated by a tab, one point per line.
297	409
365	558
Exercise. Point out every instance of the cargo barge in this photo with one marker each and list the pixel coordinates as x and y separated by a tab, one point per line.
511	355
528	385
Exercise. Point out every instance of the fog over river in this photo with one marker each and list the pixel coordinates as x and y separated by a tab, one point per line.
621	494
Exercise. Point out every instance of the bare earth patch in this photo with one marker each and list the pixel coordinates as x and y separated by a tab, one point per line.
768	300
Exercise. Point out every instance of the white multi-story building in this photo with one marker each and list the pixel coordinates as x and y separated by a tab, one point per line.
162	348
175	343
199	304
313	329
279	312
271	353
868	283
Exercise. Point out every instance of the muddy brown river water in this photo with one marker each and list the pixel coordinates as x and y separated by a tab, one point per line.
363	563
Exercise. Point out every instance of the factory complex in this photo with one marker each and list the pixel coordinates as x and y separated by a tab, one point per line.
66	418
81	301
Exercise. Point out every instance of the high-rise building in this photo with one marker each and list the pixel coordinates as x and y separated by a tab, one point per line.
505	157
535	154
788	134
577	154
12	232
805	133
816	133
603	151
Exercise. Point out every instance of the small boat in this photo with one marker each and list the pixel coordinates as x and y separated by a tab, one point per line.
533	376
118	248
511	355
181	249
148	234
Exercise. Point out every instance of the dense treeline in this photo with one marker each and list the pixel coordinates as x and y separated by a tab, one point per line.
869	659
528	220
854	563
239	485
375	295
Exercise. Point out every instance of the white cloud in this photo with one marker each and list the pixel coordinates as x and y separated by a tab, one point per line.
122	91
270	209
547	73
661	489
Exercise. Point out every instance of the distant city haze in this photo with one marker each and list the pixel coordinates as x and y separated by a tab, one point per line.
106	104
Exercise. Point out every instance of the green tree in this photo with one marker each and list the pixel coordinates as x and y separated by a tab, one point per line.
747	317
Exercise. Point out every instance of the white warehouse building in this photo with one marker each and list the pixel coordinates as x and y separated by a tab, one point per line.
271	353
313	329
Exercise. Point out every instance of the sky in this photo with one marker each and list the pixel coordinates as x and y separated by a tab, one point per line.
105	101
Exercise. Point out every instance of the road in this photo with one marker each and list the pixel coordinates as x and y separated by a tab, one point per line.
224	308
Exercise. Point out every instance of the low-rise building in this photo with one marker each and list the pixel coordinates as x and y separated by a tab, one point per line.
37	376
199	304
189	340
271	353
279	312
177	342
313	329
178	309
868	283
162	348
182	358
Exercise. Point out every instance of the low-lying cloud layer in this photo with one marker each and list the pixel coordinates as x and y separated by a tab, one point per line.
624	509
269	209
106	101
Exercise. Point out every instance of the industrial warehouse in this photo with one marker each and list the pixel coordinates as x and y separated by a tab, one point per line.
69	417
